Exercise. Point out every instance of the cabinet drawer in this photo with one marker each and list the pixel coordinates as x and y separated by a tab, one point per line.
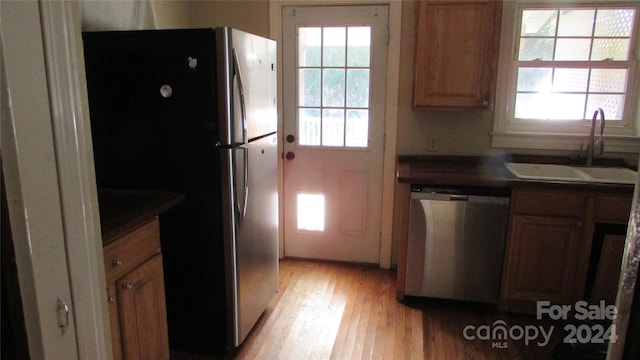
613	208
132	249
529	202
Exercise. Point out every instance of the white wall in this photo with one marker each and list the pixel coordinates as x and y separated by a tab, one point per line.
250	16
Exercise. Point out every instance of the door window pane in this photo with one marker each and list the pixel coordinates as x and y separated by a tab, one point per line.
357	129
309	127
334	46
309	87
359	46
358	88
333	127
309	41
334	86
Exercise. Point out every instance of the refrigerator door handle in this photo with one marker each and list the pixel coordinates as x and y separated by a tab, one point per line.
243	109
246	183
241	192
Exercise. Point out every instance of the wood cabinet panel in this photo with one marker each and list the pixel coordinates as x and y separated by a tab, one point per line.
532	202
124	254
142	312
605	286
135	293
542	259
550	244
456	53
614	209
114	321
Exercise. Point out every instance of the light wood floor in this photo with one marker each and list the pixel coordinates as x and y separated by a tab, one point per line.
341	311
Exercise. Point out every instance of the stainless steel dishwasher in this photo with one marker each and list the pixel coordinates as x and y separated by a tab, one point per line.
456	243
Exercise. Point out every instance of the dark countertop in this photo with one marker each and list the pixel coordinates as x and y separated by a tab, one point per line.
124	210
487	171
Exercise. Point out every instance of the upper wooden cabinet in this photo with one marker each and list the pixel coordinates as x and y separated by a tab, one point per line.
456	53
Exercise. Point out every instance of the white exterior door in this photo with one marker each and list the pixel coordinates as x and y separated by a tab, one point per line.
334	67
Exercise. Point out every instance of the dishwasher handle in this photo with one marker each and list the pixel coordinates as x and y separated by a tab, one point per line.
471	198
454	197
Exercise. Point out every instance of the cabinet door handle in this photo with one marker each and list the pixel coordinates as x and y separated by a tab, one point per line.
63	316
116	263
111	299
127	286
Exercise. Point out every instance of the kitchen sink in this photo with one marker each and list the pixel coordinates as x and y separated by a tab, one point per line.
611	175
554	172
546	172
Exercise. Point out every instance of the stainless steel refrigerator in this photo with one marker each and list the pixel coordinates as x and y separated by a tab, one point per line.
194	111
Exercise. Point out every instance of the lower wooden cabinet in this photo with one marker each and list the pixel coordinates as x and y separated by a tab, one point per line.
551	254
542	259
135	287
605	284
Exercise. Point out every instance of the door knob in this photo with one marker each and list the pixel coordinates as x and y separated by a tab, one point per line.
291	138
290	155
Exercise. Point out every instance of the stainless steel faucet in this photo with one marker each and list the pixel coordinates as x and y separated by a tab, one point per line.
595	147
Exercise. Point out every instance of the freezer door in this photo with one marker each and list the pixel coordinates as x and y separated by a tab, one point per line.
256	231
248	63
151	111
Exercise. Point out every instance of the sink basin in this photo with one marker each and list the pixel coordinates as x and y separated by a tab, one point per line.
546	172
612	175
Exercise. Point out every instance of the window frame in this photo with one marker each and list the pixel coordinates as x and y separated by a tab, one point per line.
620	136
345	107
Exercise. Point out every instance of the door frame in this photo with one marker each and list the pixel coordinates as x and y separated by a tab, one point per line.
390	126
50	183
